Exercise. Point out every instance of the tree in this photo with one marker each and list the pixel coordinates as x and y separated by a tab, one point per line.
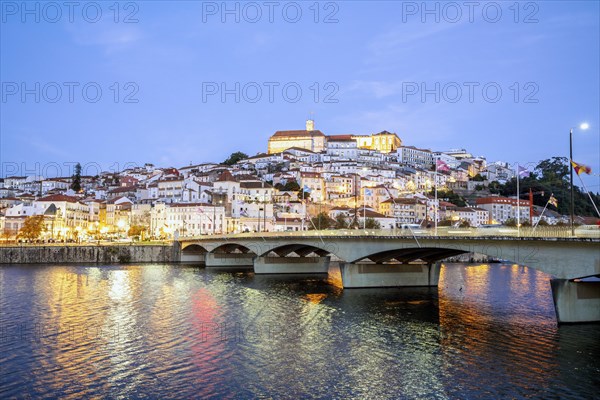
32	227
8	234
291	186
451	196
478	178
235	157
321	221
445	222
136	230
371	223
510	222
555	169
551	176
494	187
464	224
341	222
76	184
303	194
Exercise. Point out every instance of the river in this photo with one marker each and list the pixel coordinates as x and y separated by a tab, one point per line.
173	331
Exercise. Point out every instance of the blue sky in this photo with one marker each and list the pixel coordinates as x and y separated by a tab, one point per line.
375	61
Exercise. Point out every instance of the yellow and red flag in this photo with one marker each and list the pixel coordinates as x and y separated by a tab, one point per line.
579	168
553	201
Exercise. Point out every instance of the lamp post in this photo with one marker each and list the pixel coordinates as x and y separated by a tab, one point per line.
583	127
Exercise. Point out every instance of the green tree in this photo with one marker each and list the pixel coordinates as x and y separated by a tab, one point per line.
235	157
32	227
341	222
478	178
555	169
495	187
510	222
551	176
371	223
451	196
76	183
321	221
303	195
291	186
464	224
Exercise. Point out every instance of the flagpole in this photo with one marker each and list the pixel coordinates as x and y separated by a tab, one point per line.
542	214
571	170
589	195
435	215
518	204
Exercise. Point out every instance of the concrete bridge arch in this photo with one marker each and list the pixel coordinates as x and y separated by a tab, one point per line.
375	261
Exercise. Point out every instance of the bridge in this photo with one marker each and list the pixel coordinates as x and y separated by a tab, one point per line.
377	258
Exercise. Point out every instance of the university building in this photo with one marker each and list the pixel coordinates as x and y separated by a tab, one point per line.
316	141
309	139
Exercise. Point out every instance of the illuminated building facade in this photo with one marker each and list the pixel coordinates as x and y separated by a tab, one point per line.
309	139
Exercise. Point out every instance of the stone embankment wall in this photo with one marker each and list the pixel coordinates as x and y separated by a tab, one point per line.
89	254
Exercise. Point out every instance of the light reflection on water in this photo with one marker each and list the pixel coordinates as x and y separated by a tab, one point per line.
170	331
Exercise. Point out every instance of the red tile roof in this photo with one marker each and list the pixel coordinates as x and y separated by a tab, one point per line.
340	138
59	197
298	133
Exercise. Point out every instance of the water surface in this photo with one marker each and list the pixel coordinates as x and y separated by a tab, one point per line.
172	331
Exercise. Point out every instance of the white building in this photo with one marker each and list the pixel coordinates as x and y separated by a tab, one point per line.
475	216
186	219
502	209
342	146
415	157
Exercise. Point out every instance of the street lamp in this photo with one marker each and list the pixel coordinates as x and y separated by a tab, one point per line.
583	127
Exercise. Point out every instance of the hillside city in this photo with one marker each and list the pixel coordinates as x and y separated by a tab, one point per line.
306	180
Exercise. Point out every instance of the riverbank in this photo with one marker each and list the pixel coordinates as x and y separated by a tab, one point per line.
113	253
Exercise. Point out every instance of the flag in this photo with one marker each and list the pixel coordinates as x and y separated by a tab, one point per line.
579	168
368	192
442	166
306	189
553	201
523	172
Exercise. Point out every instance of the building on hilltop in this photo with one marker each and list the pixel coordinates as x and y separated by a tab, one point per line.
339	145
384	142
309	139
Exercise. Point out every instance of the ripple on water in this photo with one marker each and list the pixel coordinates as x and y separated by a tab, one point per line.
164	331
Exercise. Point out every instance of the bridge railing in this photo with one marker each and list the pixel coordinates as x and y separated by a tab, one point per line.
585	231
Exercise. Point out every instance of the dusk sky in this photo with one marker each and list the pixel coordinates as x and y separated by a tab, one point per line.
374	61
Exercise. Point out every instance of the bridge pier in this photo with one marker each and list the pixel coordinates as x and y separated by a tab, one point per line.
363	275
220	260
291	265
576	301
192	258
